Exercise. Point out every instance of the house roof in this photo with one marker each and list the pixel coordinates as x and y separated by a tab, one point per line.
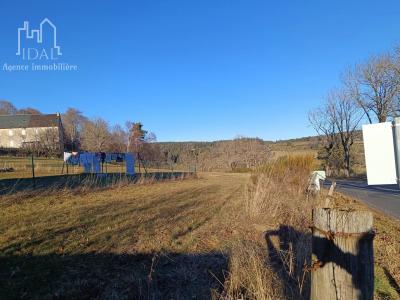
29	121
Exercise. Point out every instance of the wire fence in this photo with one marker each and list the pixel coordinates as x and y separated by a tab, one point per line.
28	167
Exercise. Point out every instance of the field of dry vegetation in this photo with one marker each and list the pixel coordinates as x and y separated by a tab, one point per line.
221	236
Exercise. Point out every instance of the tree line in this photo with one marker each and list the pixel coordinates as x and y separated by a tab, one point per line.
240	154
368	92
81	133
7	108
96	135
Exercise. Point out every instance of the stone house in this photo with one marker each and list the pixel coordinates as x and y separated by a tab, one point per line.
24	131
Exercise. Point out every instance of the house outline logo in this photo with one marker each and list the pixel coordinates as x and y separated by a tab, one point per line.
37	36
38	50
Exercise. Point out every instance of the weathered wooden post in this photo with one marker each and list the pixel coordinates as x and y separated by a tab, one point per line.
342	254
33	171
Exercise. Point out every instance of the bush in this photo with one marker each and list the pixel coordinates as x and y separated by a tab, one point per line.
284	178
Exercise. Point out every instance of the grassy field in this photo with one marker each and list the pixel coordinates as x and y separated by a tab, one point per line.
116	241
190	239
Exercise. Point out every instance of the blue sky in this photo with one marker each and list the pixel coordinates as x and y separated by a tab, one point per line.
197	70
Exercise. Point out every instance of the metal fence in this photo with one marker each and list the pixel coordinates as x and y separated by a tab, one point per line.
28	167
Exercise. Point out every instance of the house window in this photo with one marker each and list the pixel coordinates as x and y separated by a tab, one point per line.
10	132
23	132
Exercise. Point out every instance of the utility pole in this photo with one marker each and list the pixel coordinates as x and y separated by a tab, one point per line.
396	144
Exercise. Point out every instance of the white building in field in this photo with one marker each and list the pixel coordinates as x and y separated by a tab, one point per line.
18	131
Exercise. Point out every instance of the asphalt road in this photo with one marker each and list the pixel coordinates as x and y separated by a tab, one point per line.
385	198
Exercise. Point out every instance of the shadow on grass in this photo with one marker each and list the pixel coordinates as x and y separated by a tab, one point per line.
391	280
116	276
289	240
301	245
72	181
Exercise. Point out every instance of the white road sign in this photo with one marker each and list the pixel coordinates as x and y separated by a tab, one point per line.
379	153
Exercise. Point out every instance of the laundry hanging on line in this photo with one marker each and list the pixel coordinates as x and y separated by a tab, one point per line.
71	158
129	164
91	162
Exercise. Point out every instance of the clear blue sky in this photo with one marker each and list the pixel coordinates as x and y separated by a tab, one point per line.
197	70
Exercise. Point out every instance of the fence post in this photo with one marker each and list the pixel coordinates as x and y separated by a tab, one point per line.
33	171
342	254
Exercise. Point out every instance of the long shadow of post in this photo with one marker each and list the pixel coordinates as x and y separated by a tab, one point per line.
359	266
296	285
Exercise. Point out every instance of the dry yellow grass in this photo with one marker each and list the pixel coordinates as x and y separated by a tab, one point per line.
197	238
160	210
160	231
275	196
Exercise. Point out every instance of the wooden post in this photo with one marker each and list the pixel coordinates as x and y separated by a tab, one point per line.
342	255
33	171
330	194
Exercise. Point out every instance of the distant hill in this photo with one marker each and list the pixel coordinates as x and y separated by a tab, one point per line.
243	154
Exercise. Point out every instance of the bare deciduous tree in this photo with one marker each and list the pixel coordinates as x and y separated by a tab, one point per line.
346	115
324	125
49	141
252	151
46	142
29	111
96	135
73	121
7	108
118	139
375	86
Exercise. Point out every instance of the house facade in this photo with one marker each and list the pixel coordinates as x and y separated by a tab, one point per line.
24	131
